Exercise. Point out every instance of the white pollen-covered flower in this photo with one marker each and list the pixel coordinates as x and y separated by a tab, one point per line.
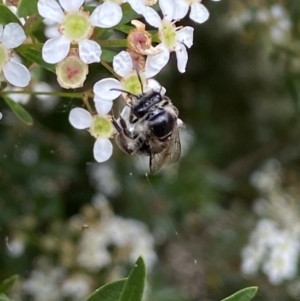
172	38
76	26
123	66
12	36
100	127
198	13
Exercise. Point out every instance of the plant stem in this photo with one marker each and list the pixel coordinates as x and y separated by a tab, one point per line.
60	94
110	69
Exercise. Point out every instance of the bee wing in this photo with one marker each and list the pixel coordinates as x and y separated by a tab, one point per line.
169	155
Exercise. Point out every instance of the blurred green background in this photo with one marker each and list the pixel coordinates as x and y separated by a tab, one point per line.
239	100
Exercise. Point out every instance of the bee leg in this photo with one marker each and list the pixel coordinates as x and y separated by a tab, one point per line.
126	132
116	125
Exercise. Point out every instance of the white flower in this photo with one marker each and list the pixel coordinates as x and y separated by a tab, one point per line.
99	126
15	247
172	38
123	66
104	179
279	268
251	259
76	26
199	12
93	253
77	287
268	177
123	233
1	115
12	36
265	233
43	284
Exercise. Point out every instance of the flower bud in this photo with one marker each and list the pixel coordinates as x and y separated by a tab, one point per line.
71	72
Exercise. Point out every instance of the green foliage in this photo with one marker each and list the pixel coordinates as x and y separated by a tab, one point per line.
108	55
6	16
134	286
129	289
4	298
128	14
245	294
108	292
27	8
19	111
33	52
8	283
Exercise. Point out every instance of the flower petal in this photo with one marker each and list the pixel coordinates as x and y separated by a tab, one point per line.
51	31
13	35
80	118
181	9
167	7
106	15
16	74
156	62
103	87
199	13
122	63
1	31
56	49
152	17
50	9
102	149
185	36
71	5
89	51
103	106
156	86
182	57
137	5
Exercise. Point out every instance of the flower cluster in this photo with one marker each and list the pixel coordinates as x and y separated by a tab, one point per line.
90	248
76	41
274	243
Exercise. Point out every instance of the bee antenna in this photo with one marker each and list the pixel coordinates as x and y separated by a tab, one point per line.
139	76
120	90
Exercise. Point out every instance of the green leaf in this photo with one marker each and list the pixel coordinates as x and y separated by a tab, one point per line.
8	283
102	33
7	16
20	112
134	286
245	294
128	14
33	52
27	8
107	55
4	298
124	28
114	43
108	292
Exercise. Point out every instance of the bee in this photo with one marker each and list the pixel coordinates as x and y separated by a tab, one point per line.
149	126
